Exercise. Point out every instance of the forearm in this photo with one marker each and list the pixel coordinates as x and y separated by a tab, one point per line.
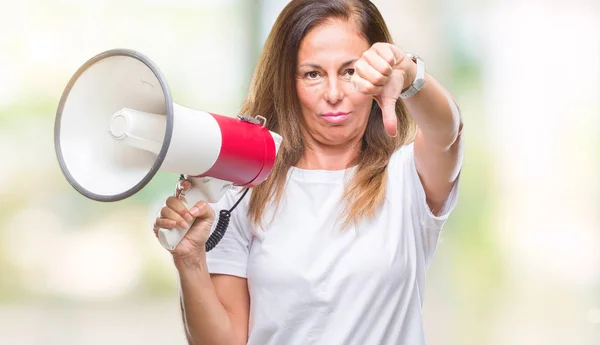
435	113
205	319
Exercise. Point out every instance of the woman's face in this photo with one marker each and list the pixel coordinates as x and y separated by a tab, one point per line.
333	111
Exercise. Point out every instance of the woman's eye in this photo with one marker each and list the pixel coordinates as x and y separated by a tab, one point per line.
312	75
347	76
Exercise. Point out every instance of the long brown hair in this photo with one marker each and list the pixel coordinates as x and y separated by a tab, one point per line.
273	95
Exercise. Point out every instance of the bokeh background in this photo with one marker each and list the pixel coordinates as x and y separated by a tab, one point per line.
518	262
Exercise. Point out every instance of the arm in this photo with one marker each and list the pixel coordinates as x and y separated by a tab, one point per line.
215	309
438	143
383	72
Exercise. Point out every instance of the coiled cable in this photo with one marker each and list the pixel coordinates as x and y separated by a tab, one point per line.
222	224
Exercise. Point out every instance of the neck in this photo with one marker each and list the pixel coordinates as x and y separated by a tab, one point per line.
318	156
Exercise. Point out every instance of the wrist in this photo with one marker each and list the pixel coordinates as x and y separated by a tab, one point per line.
414	76
194	261
410	73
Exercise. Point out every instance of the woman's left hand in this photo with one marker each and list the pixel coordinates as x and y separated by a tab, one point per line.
383	72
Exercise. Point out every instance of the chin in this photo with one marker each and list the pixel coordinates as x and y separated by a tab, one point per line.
337	135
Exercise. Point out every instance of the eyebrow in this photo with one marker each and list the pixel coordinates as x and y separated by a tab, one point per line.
345	64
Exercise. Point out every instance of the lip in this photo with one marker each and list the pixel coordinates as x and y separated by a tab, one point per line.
336	117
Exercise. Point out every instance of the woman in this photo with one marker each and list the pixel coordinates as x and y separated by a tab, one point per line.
333	247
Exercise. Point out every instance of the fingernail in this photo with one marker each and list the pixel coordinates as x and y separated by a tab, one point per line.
194	211
188	217
183	225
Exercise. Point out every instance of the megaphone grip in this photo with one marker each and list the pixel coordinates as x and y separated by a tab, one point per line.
171	238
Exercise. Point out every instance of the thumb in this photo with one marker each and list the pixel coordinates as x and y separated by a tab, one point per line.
202	210
388	111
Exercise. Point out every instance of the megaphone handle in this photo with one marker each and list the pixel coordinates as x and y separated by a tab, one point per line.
170	238
204	188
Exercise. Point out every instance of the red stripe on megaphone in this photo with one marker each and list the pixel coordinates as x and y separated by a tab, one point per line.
247	152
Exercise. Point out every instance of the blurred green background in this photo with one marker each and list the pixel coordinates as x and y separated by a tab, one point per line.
518	262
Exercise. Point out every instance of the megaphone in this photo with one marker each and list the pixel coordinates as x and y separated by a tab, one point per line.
117	126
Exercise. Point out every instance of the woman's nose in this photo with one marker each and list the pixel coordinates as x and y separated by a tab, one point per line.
333	93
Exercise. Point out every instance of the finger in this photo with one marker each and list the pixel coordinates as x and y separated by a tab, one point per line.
164	223
399	55
387	52
365	86
379	62
178	206
369	73
169	213
202	210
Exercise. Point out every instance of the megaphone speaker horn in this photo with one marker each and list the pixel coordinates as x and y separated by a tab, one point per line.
117	126
94	163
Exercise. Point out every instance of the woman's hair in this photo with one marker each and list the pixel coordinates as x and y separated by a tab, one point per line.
273	95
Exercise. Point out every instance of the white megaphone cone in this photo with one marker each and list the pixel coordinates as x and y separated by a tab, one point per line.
116	127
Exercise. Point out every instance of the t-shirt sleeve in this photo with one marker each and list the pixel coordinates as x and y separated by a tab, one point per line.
230	255
427	224
429	221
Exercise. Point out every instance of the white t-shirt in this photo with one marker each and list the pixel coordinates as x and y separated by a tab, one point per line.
311	283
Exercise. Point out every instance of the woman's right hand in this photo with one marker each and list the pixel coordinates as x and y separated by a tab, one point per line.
176	214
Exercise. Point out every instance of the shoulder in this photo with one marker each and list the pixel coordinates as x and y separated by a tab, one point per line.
230	256
403	176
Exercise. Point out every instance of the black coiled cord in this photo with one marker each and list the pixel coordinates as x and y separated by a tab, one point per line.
222	224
